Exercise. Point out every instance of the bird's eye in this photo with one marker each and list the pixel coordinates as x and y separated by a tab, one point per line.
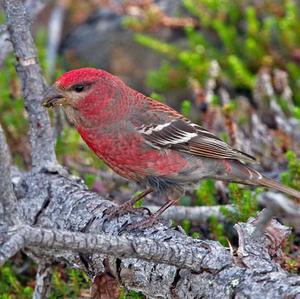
78	87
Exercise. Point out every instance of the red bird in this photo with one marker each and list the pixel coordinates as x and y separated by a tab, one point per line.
146	141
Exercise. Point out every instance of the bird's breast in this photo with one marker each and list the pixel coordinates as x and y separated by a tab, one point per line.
128	154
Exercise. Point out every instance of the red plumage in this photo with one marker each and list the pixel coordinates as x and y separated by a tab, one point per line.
145	140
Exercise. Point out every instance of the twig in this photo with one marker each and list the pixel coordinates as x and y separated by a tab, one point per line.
281	207
43	282
28	68
11	247
54	34
5	45
59	122
199	215
263	221
265	89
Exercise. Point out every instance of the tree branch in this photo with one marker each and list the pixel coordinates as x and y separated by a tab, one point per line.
199	215
8	202
55	28
195	257
280	206
70	224
33	7
43	282
5	44
40	133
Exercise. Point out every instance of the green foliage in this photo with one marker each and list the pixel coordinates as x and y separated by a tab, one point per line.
165	78
139	203
13	117
186	225
131	295
292	176
161	47
217	229
244	203
157	97
68	284
206	193
41	41
196	235
65	284
11	286
186	108
241	36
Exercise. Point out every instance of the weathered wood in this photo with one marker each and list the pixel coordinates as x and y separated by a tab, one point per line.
28	68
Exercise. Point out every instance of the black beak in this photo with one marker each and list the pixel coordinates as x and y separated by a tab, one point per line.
52	97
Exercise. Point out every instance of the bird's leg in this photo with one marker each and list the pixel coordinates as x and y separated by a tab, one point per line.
127	206
151	219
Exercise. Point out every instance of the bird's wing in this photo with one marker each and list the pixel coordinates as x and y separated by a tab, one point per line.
169	129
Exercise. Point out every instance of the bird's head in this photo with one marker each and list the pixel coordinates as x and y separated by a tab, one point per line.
87	91
75	86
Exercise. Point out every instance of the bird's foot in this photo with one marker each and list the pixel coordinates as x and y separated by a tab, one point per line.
151	220
119	211
127	207
140	225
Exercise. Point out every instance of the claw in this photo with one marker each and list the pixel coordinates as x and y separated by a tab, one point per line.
114	212
140	225
126	207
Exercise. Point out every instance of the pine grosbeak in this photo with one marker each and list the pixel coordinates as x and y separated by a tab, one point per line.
146	141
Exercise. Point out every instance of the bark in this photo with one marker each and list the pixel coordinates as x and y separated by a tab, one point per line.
57	207
33	7
199	215
41	136
60	220
8	201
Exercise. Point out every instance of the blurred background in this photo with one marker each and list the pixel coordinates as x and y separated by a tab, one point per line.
233	66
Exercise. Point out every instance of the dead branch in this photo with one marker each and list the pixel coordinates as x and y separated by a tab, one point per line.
69	220
43	282
281	207
193	257
33	7
199	215
28	68
54	33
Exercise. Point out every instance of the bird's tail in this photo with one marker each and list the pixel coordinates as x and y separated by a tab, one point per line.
241	173
256	178
264	181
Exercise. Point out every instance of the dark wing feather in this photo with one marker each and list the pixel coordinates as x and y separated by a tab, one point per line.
182	135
